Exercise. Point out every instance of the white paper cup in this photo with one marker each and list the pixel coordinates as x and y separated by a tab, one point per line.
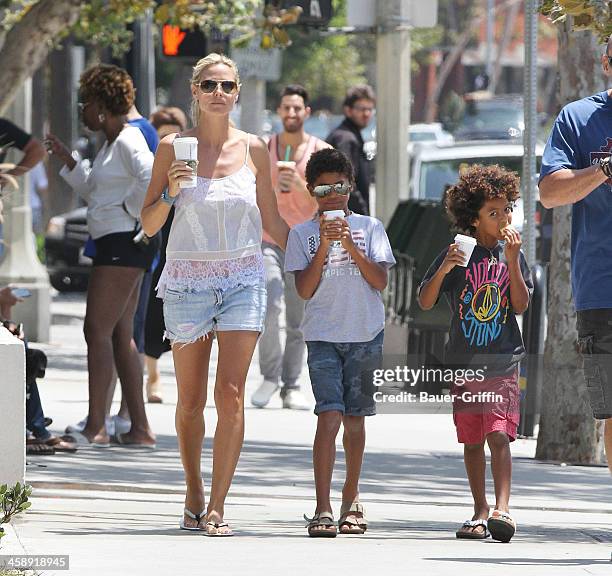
330	215
187	149
283	165
466	245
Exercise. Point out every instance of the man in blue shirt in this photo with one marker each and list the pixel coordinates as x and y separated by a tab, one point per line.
577	170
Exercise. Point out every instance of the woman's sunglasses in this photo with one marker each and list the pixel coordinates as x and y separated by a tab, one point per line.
323	190
209	86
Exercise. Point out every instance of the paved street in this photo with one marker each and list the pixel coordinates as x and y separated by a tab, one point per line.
116	511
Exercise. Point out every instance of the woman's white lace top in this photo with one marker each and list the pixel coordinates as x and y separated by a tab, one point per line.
215	238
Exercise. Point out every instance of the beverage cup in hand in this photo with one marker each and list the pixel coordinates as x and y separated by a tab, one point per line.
284	165
466	245
331	215
186	149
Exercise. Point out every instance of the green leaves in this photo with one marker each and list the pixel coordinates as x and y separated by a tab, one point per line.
13	501
594	15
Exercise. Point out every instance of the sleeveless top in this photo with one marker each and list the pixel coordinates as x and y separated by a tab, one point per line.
294	206
215	238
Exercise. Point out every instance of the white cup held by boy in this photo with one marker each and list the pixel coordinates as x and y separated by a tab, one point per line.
466	245
331	215
186	149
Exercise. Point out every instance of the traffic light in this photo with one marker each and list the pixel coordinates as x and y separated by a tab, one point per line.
314	12
180	43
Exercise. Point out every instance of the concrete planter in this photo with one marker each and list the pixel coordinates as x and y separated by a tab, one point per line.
12	408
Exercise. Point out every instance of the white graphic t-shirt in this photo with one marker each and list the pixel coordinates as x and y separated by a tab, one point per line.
344	308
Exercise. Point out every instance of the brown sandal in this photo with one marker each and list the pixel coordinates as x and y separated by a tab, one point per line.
61	444
358	525
321	525
37	448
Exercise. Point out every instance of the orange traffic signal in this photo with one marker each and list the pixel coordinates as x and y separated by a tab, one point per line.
172	37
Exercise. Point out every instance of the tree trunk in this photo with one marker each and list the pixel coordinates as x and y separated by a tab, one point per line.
27	43
567	430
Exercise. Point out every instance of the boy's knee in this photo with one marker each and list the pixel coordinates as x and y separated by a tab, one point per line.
497	439
354	424
329	422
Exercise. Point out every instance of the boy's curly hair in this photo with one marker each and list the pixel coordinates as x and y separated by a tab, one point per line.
109	85
477	185
328	160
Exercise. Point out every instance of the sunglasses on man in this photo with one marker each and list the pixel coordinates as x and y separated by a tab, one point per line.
323	190
209	86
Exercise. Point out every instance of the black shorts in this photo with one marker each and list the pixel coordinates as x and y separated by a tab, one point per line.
595	345
119	249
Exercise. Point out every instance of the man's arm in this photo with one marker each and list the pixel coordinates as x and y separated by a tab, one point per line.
568	186
33	153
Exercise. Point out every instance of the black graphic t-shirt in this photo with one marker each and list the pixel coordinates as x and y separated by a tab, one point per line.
483	329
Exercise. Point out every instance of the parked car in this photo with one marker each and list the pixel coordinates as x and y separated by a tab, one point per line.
65	242
418	133
488	117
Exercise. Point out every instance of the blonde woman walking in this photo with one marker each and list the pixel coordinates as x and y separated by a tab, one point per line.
213	281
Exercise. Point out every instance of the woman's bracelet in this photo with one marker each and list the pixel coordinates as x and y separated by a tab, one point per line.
166	198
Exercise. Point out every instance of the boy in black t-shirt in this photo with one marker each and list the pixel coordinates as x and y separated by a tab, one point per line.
484	297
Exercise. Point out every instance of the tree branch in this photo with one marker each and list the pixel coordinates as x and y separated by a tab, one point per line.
28	42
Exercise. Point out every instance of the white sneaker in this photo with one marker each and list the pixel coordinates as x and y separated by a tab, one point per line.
262	395
295	400
120	425
78	427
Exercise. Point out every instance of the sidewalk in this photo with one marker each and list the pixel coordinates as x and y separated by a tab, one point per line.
116	511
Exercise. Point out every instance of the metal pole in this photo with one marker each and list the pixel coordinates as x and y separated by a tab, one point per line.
143	64
530	84
393	105
252	104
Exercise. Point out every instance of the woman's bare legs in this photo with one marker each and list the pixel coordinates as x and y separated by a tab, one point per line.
191	367
153	380
129	370
235	353
110	301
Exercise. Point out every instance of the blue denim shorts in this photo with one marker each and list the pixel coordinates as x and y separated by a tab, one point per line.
340	374
191	315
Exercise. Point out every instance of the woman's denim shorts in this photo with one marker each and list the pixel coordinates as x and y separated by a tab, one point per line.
191	315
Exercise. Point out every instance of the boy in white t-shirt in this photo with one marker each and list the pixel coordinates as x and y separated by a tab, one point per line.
343	328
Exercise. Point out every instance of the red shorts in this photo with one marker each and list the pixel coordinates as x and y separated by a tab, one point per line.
480	408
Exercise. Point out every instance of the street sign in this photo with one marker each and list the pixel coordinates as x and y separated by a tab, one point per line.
256	62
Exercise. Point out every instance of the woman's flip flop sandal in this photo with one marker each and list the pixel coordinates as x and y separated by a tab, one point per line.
472	535
197	517
501	526
212	529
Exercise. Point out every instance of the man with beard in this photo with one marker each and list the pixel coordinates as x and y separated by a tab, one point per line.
359	104
289	153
